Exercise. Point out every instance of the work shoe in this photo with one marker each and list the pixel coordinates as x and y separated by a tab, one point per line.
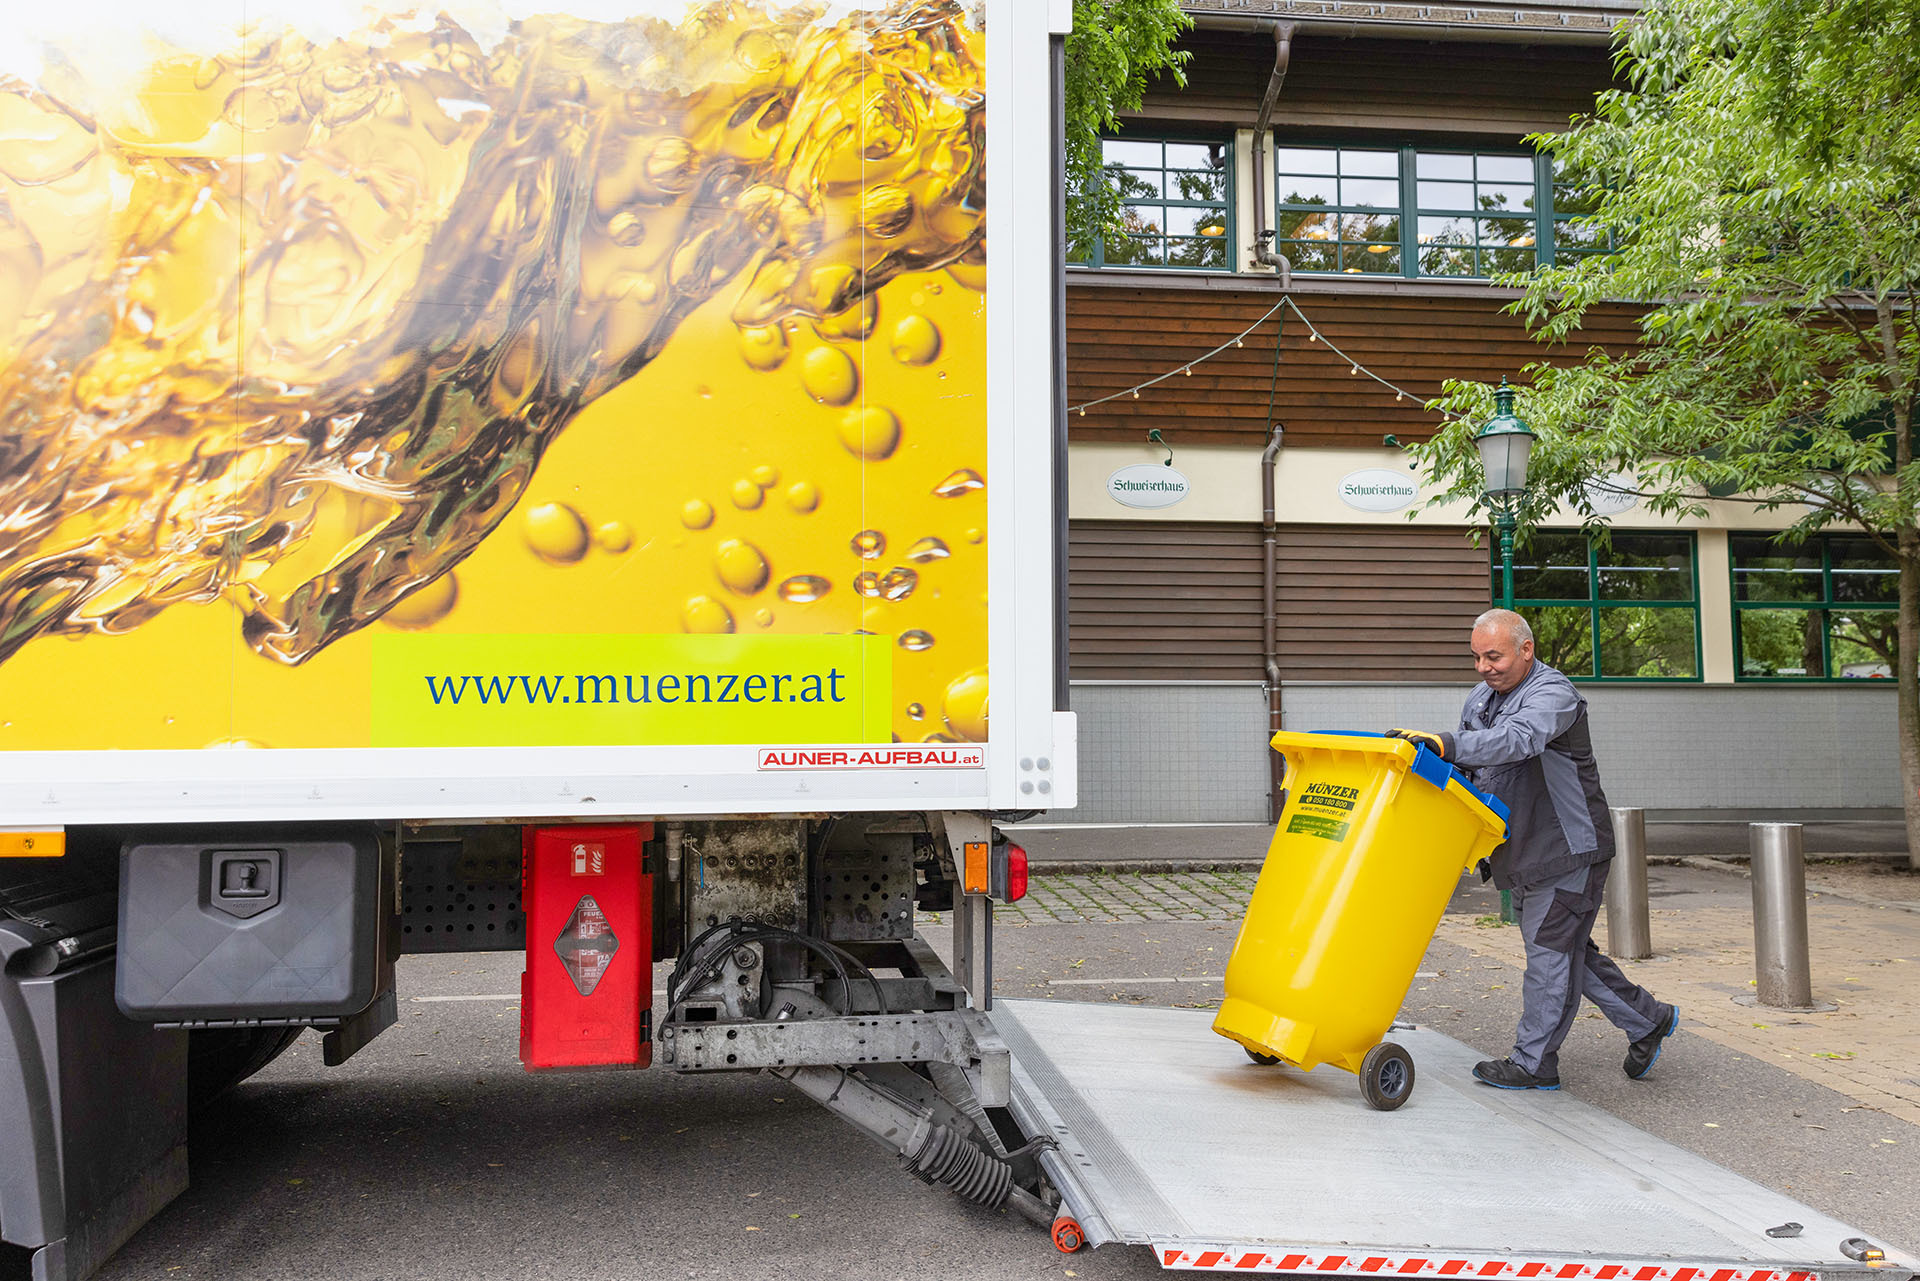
1643	1053
1505	1074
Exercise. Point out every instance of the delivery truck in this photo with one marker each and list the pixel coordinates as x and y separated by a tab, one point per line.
584	480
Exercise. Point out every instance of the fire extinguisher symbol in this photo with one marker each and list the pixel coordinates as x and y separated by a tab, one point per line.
589	860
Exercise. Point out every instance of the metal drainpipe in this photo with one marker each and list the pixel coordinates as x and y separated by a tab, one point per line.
1270	580
1262	234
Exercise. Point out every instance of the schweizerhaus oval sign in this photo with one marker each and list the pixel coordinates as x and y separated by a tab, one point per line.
1147	485
1377	490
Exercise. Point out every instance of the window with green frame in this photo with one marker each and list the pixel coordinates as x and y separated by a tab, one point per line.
1425	211
1824	609
1627	608
1176	204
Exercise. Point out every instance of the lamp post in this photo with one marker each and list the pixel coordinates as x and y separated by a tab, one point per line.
1505	443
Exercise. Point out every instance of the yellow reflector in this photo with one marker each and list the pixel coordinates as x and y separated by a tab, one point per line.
977	876
16	843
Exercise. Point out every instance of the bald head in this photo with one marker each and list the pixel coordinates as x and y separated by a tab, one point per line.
1502	649
1506	623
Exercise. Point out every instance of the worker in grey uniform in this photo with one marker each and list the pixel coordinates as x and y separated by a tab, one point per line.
1524	737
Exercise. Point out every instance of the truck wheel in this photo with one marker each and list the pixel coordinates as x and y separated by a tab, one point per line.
220	1058
1386	1076
1264	1060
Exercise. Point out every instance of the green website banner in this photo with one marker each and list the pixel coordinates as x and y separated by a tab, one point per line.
434	690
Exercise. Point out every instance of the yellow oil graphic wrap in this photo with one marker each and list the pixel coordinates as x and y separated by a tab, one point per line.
552	327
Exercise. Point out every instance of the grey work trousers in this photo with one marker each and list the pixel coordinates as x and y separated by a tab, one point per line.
1563	964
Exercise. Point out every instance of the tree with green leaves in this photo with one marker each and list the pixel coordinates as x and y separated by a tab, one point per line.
1757	177
1116	50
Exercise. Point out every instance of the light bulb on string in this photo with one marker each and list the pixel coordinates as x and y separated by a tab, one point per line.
1354	370
1188	371
1136	393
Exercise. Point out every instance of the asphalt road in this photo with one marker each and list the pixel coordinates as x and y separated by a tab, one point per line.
434	1155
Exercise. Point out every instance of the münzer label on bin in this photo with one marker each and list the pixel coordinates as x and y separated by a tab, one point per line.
1325	810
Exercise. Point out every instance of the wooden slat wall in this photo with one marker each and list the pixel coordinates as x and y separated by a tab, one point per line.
1344	86
1174	601
1117	337
1378	602
1162	600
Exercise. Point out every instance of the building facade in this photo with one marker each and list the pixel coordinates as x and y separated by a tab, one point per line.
1393	175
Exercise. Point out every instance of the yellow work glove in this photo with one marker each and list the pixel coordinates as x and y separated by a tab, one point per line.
1432	742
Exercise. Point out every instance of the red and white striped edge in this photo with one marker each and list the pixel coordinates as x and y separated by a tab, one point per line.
1414	1265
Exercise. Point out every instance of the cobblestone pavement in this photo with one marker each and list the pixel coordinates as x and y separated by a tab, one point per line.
1128	896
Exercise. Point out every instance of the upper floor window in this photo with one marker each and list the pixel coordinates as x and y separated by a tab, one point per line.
1826	609
1176	204
1418	211
1627	608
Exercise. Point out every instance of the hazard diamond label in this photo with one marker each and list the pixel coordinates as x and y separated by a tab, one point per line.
586	945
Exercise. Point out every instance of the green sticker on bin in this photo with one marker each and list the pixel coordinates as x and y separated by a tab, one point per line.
1327	829
1335	805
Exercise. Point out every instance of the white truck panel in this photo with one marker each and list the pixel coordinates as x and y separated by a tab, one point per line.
1017	767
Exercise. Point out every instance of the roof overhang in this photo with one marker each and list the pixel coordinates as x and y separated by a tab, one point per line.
1585	22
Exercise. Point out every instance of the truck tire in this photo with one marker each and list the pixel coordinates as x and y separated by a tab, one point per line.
1386	1076
220	1058
1264	1060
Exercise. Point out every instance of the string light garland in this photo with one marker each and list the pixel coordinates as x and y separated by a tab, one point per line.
1238	340
1354	367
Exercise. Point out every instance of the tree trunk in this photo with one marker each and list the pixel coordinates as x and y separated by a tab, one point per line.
1907	667
1907	542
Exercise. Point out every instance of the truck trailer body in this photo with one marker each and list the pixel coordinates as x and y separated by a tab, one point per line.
575	480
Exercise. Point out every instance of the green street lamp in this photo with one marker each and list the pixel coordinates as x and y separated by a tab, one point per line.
1505	443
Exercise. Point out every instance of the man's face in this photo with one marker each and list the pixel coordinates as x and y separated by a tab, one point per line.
1501	664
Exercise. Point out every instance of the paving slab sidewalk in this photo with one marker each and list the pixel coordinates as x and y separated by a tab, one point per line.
1863	954
1863	945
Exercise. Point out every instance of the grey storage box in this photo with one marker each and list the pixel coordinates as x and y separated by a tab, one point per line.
256	926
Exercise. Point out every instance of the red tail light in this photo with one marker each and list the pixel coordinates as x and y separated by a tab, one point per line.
1016	874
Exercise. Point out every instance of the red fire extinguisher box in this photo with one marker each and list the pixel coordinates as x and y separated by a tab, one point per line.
586	994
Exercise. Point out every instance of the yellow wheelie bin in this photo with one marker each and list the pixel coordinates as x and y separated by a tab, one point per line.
1369	848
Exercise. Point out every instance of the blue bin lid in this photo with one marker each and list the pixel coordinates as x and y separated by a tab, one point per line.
1433	767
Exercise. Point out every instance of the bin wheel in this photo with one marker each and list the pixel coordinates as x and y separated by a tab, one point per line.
1264	1060
1067	1234
1386	1076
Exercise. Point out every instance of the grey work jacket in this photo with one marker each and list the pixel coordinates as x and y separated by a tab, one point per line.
1535	753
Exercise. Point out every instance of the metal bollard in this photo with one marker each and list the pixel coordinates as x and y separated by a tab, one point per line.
1629	935
1781	979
